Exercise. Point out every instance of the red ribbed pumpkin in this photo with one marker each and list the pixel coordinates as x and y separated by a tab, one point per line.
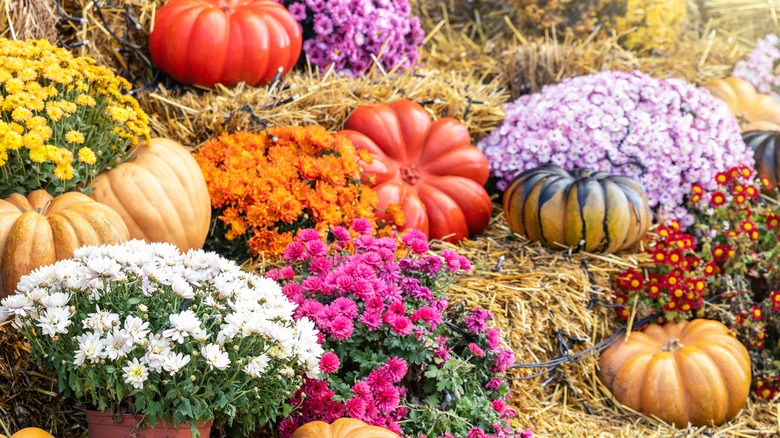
428	167
208	42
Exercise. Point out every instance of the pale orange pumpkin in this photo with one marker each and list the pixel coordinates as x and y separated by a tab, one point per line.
38	230
688	372
31	432
752	110
161	194
342	428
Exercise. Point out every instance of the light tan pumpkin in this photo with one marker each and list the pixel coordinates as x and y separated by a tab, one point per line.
161	194
31	432
688	372
342	428
753	111
38	230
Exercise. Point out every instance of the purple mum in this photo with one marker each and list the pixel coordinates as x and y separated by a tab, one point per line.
349	34
668	134
760	66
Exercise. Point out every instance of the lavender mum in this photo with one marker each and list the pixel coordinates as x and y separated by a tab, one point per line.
667	134
348	34
760	66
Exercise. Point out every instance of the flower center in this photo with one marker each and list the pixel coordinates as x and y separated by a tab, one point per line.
672	344
409	174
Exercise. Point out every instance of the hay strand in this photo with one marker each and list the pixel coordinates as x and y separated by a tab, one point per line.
28	19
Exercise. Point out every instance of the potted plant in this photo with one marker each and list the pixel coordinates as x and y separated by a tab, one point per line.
155	338
397	355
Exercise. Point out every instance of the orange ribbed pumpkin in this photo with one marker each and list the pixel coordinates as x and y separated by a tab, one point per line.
161	194
753	111
342	428
38	230
688	372
31	432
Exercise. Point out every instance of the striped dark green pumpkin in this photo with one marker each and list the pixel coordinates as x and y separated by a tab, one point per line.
766	152
594	212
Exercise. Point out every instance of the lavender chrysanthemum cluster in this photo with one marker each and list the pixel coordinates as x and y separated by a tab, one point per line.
760	66
349	34
667	134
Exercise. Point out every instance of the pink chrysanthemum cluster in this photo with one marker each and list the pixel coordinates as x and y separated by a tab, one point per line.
668	134
396	354
349	34
760	67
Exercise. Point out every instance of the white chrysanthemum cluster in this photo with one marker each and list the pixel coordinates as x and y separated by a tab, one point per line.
109	300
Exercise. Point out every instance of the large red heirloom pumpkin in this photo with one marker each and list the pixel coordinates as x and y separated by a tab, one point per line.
206	42
430	168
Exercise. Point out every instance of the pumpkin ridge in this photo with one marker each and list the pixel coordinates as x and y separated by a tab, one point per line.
63	224
110	195
547	191
179	178
673	356
721	379
191	68
681	377
436	221
146	193
605	221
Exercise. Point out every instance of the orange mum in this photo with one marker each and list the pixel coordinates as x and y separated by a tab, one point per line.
266	186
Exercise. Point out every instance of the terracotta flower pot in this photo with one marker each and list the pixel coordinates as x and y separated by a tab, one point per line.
101	425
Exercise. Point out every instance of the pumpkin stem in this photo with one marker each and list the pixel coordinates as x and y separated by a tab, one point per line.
743	119
672	344
409	175
43	210
227	10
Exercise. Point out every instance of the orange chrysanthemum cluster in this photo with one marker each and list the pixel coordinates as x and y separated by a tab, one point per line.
266	186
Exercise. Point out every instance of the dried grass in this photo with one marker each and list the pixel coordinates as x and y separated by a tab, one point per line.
28	19
193	116
28	396
745	19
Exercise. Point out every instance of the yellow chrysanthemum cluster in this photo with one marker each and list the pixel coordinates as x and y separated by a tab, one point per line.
647	24
63	119
657	23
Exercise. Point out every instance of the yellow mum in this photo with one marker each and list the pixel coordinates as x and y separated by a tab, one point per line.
50	103
87	156
75	137
64	172
85	100
21	114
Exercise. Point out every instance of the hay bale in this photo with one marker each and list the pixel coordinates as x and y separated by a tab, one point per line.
28	19
192	116
748	20
28	395
113	33
698	58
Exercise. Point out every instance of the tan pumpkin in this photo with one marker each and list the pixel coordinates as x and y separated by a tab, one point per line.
342	428
31	432
38	230
752	110
161	194
688	372
594	211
